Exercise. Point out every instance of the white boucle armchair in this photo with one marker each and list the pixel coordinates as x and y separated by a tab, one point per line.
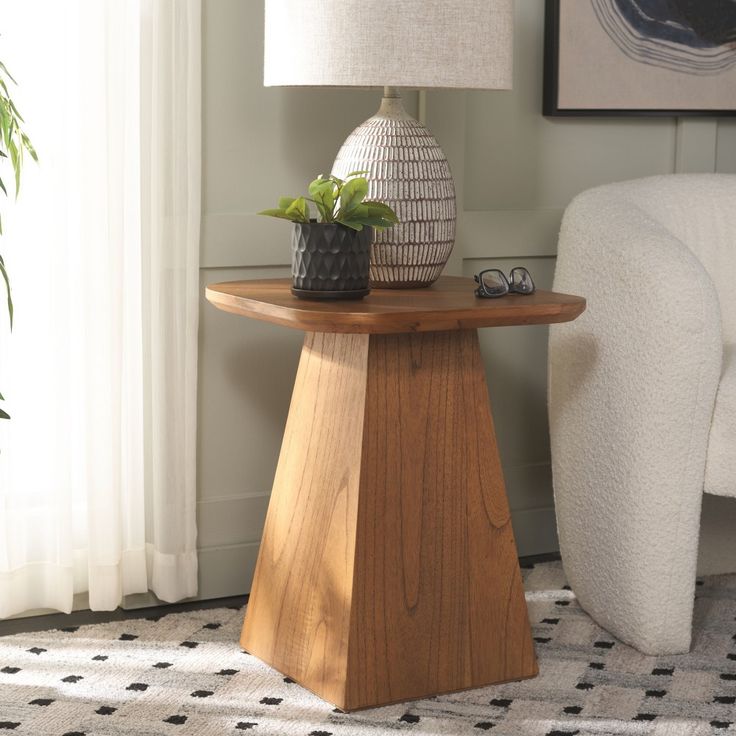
642	399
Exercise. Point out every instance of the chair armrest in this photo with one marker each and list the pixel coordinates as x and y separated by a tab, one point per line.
632	385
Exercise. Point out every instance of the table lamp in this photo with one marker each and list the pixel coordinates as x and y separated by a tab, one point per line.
392	44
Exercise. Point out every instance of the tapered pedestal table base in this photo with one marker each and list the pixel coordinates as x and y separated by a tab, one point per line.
388	569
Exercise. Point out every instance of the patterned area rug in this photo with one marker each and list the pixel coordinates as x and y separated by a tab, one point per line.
183	674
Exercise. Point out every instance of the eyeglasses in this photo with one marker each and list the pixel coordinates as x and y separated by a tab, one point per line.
493	283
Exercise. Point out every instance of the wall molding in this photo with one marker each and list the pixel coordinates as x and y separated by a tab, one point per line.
696	145
726	147
230	519
241	240
509	233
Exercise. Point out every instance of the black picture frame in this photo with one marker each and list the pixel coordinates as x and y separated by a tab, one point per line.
550	107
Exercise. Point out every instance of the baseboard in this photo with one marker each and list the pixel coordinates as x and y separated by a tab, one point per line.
224	571
227	571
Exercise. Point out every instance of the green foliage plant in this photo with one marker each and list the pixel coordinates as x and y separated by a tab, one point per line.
337	200
13	144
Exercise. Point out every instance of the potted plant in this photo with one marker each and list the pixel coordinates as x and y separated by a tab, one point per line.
330	257
13	142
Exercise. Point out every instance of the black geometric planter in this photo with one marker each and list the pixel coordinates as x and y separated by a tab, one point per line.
330	261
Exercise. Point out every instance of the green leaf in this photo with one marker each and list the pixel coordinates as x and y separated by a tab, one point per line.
363	215
7	73
352	194
4	414
29	146
351	224
286	202
379	208
299	210
276	212
4	123
320	184
324	212
15	160
4	274
324	193
2	186
377	222
15	110
356	173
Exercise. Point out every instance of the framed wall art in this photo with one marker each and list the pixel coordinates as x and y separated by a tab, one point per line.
640	57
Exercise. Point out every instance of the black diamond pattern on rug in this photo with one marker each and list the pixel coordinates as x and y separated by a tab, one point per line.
725	699
139	687
184	673
176	720
663	671
202	693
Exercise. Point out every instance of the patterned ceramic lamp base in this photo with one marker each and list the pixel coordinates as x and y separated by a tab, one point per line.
408	170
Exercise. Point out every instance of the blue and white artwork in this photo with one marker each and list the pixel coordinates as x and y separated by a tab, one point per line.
659	57
689	36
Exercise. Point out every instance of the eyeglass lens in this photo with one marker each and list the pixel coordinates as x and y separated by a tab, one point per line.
494	282
521	281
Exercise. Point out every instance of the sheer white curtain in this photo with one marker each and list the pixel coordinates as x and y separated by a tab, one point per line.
97	465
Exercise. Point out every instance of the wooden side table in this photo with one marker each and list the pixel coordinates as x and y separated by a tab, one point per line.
388	569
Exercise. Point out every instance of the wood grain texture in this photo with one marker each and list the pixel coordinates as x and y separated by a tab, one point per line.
438	603
300	601
449	304
388	569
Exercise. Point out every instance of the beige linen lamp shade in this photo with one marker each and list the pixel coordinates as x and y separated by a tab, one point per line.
399	43
391	44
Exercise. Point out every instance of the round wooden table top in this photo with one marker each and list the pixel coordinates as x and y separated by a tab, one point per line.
449	304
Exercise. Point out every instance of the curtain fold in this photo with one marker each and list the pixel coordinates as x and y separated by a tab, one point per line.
97	465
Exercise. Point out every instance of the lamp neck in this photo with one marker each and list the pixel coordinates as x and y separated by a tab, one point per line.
392	106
